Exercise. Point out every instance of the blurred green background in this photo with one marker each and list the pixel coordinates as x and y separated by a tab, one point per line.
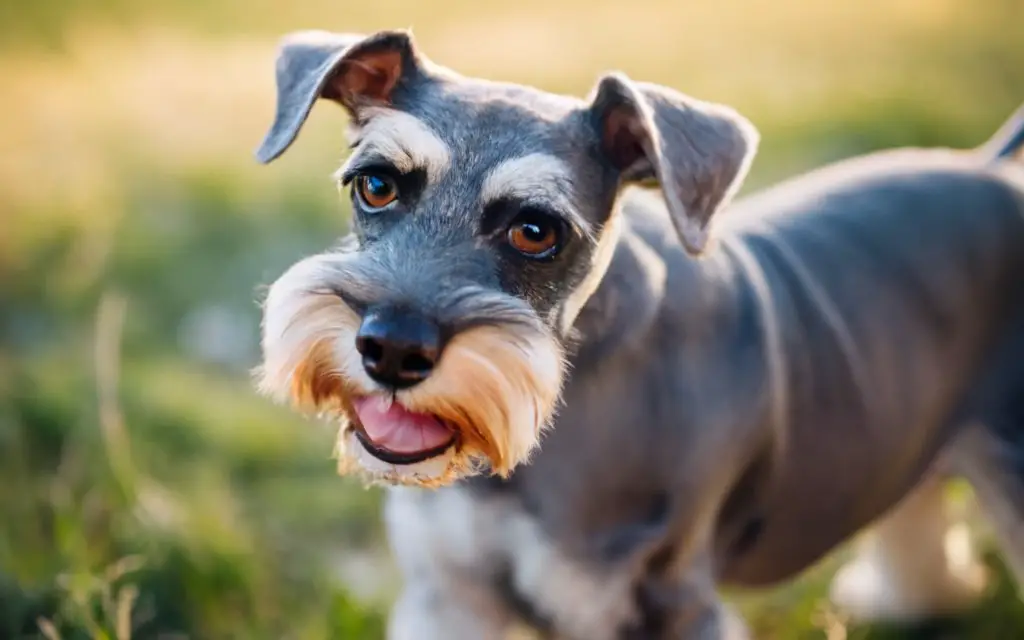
145	491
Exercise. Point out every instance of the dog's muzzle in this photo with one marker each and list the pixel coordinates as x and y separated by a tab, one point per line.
399	349
420	401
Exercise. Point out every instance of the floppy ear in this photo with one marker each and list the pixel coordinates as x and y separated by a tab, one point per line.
350	69
698	152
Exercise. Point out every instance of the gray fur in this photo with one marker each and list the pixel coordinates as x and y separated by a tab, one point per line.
729	419
698	152
303	68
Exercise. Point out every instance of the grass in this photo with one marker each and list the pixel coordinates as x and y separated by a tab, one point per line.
145	491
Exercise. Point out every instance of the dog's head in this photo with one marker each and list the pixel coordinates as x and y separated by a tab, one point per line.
484	217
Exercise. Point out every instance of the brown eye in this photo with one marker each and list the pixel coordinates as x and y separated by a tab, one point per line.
375	191
535	235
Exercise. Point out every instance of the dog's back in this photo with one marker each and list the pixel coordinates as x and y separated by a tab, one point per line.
896	278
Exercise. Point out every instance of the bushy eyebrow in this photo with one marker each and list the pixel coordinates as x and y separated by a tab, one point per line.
539	179
397	139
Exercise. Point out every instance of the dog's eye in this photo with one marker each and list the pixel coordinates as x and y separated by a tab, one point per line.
376	191
534	234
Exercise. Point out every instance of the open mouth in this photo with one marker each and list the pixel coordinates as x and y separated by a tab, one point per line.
393	434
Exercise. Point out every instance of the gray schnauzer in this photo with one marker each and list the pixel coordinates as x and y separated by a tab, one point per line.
731	406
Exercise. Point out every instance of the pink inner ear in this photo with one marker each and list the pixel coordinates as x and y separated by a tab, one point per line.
623	137
369	76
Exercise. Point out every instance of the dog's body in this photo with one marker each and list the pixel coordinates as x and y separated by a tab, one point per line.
850	338
752	410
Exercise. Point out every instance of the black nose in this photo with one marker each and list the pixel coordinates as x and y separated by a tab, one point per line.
399	348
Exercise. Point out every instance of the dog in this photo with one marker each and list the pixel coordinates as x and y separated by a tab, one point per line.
596	403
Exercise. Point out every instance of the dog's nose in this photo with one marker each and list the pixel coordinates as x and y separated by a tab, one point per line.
399	349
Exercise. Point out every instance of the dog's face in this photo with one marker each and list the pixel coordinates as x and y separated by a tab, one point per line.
484	218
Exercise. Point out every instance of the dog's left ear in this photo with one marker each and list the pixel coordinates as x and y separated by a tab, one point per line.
697	151
350	69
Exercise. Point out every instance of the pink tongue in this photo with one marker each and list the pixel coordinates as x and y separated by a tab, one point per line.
399	430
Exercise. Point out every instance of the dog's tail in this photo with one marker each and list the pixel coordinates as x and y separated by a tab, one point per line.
1008	141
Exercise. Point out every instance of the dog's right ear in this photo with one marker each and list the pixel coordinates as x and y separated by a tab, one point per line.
350	69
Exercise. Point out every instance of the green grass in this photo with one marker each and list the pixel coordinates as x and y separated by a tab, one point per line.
145	491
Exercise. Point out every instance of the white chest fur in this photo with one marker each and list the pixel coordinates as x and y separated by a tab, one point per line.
447	542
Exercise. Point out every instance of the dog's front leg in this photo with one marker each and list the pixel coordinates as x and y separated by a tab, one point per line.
714	621
698	619
687	608
443	548
704	619
426	611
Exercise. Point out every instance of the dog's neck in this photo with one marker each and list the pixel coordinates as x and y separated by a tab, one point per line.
635	290
625	304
